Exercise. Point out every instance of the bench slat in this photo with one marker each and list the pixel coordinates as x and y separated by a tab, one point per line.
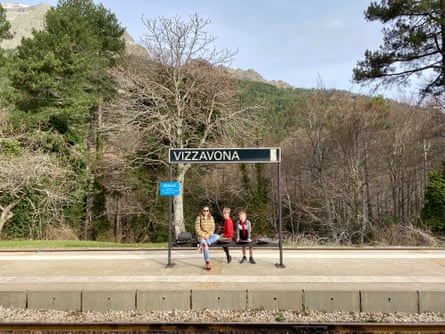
232	244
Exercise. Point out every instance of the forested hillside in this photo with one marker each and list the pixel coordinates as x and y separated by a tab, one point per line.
85	129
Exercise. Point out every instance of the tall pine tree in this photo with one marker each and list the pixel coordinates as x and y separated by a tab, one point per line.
65	64
60	76
413	44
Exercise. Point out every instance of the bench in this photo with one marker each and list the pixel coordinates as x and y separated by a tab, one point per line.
261	242
258	243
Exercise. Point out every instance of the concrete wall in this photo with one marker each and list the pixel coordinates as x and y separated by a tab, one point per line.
431	301
275	300
219	299
13	299
163	300
143	300
331	301
390	301
55	300
97	300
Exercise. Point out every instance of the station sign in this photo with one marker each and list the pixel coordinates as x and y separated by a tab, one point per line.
224	155
169	188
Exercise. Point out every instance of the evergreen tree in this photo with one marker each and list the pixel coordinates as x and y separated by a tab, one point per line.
65	64
433	212
4	30
413	44
4	25
60	76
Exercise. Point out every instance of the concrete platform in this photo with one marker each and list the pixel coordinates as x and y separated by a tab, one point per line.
368	280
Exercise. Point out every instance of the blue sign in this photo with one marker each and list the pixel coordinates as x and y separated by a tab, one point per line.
169	188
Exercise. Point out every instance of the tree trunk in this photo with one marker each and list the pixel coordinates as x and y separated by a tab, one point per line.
117	221
92	145
178	201
6	214
87	229
99	134
291	218
442	31
327	204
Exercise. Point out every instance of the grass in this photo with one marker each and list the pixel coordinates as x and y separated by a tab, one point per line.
61	244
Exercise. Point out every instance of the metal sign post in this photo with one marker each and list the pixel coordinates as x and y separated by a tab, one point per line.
280	222
230	155
169	189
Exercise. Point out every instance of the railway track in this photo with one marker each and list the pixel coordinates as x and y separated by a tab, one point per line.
219	328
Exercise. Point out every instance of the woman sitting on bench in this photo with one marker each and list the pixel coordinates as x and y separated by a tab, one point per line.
205	233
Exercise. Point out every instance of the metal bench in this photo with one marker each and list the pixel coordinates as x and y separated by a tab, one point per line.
261	242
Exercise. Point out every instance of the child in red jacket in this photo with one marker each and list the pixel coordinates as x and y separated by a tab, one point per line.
228	232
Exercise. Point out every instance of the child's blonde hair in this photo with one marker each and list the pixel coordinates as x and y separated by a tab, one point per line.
226	211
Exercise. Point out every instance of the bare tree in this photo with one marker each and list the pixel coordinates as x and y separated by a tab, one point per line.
365	159
186	95
412	147
318	112
39	180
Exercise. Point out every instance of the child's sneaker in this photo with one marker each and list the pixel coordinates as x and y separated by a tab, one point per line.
251	260
207	266
244	259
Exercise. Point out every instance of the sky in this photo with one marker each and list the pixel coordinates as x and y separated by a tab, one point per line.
308	44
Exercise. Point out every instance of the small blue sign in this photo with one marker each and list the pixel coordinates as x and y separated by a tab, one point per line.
169	188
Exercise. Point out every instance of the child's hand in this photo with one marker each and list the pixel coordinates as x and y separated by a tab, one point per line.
249	240
237	240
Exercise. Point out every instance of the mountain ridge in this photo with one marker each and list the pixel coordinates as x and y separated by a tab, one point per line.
25	18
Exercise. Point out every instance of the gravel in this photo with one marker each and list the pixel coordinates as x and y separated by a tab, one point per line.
8	315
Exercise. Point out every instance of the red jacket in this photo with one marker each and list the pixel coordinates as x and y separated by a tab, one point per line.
228	228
